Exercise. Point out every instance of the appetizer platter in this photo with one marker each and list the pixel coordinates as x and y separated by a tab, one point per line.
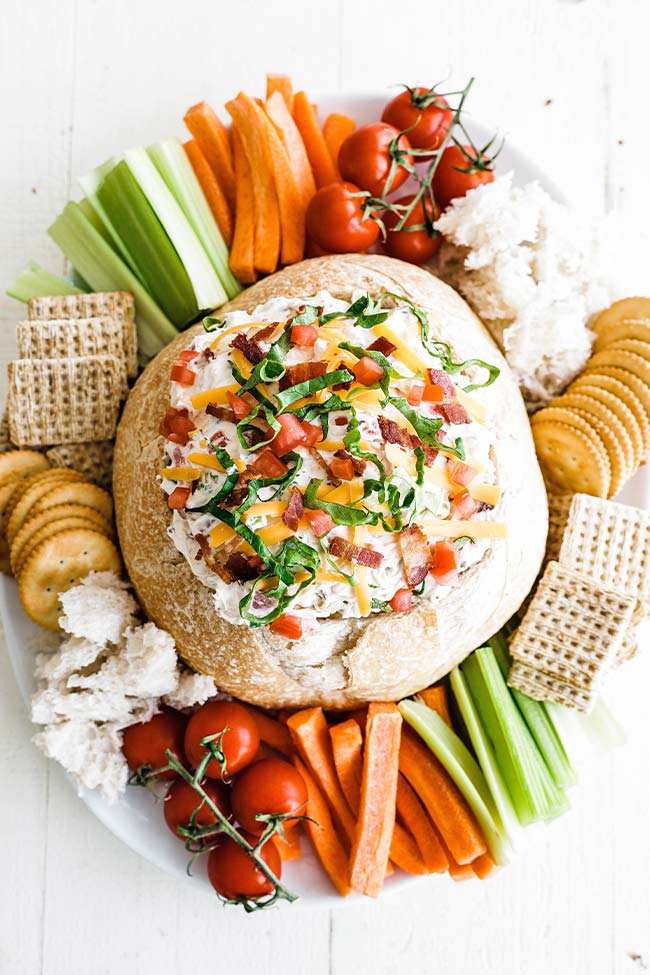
310	489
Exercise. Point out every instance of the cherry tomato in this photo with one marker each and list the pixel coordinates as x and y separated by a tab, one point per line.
427	116
182	800
233	872
239	743
365	158
269	786
459	171
145	744
335	220
415	246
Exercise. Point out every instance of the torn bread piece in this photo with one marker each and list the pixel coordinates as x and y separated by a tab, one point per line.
99	609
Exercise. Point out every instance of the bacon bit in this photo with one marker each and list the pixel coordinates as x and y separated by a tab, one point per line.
248	347
454	413
293	511
358	464
266	332
253	435
438	377
393	433
211	560
414	395
318	457
382	345
221	412
302	372
243	568
218	438
416	554
430	453
355	553
347	385
341	421
207	353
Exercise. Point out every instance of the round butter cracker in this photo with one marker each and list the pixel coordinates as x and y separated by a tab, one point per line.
81	492
34	491
626	308
570	460
615	414
621	359
54	516
627	388
20	463
629	328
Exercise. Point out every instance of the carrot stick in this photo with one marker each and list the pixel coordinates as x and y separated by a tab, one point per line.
415	818
286	128
242	251
404	851
336	129
319	158
459	871
311	737
284	715
322	833
442	799
290	201
272	732
483	866
436	699
347	746
212	139
211	189
371	848
361	717
289	847
244	113
283	85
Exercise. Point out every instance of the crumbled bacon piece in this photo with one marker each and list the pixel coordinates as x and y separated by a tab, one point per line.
318	457
221	412
293	511
382	345
302	372
416	554
211	560
393	433
219	438
430	453
254	435
243	568
358	464
266	332
454	413
438	377
355	553
248	347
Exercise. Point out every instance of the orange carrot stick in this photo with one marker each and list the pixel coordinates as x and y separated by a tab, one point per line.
286	128
211	189
290	201
415	818
322	833
311	736
272	732
283	85
242	251
347	748
361	717
284	715
436	699
336	129
404	851
317	151
484	866
442	799
243	112
371	849
212	138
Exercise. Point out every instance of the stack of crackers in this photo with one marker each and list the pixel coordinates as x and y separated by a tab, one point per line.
595	436
77	353
593	596
55	527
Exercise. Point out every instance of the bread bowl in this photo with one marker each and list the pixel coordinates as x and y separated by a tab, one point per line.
344	657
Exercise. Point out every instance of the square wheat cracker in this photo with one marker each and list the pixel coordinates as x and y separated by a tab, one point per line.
62	338
93	459
540	687
117	304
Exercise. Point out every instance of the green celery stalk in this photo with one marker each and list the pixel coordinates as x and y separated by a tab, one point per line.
208	290
175	168
36	282
104	270
90	184
159	266
462	767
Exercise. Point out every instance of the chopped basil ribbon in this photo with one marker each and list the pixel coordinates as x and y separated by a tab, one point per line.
419	466
333	404
350	578
380	605
211	324
351	442
270	368
256	543
293	393
232	474
427	428
462	539
340	514
364	310
260	397
280	483
292	557
420	589
307	317
381	360
245	424
442	351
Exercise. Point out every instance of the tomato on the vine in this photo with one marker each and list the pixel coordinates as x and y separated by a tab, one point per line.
367	156
460	169
415	246
271	786
145	744
182	800
239	743
425	114
233	872
336	220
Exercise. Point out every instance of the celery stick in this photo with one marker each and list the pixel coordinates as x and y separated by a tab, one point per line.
176	170
159	266
101	267
90	185
463	769
208	290
36	282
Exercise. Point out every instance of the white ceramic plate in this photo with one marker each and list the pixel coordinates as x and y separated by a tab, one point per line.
137	819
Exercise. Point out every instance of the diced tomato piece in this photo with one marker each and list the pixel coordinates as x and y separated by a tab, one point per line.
444	562
342	468
287	625
313	432
367	371
181	374
401	601
414	395
291	435
176	425
460	473
433	394
178	498
238	405
187	355
304	335
320	522
464	506
268	465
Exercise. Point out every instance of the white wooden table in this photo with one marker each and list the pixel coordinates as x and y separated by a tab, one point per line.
568	81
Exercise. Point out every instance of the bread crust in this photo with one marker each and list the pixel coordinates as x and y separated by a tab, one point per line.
384	657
